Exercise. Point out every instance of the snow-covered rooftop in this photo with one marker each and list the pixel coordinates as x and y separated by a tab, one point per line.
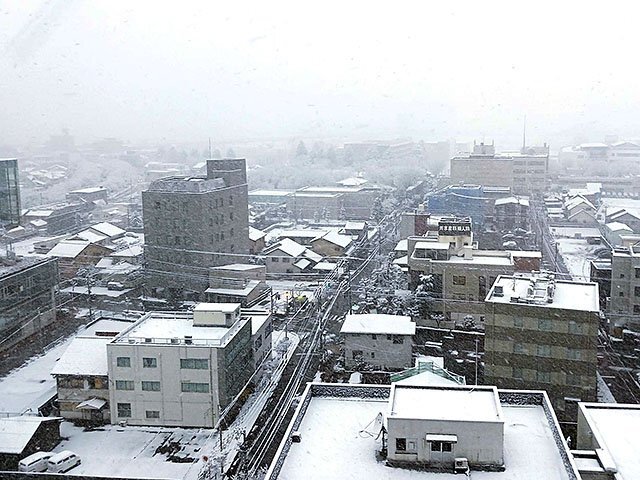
171	328
340	439
68	248
255	234
249	287
84	356
565	295
426	245
379	324
108	229
286	246
481	260
89	190
402	246
16	432
454	403
615	428
617	226
516	200
238	267
337	239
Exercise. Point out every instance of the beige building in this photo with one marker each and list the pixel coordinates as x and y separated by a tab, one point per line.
461	274
625	286
541	333
523	172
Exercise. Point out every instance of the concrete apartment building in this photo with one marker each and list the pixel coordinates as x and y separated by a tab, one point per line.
461	274
9	193
237	283
382	341
180	369
625	286
27	301
541	333
193	223
524	173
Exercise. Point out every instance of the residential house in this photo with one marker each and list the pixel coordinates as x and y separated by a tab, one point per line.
256	240
331	244
382	341
73	255
287	256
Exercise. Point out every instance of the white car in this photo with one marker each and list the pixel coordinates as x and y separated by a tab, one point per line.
36	462
63	461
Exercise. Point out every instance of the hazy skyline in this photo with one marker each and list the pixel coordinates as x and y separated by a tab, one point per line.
164	71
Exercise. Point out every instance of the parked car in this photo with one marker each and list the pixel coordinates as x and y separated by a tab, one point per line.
36	462
63	461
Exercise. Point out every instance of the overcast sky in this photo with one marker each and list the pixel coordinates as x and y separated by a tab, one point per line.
183	71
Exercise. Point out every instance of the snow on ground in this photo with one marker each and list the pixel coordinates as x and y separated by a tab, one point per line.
576	255
130	451
30	385
246	419
574	232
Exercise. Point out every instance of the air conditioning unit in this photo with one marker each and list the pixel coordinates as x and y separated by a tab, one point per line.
296	437
148	340
188	339
461	465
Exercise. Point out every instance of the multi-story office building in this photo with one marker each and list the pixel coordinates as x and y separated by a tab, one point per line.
9	192
541	333
27	302
460	273
180	369
523	172
624	305
193	223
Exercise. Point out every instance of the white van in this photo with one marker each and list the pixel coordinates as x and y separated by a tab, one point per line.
36	462
63	461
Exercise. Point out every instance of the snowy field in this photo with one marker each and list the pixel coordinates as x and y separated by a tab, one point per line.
339	441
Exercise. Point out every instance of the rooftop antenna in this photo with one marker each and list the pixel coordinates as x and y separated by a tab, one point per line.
524	134
210	148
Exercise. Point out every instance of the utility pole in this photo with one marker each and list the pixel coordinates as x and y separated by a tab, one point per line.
477	341
89	296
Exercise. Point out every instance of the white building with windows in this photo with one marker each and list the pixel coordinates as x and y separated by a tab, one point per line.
382	341
465	421
180	368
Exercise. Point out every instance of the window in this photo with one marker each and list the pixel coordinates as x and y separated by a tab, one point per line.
285	260
124	384
151	386
123	361
544	324
194	363
636	309
373	354
636	291
459	280
152	414
519	348
357	354
544	377
98	383
193	387
275	259
544	350
70	382
401	444
124	410
374	336
149	362
621	294
574	354
622	275
518	322
441	446
637	270
574	327
398	339
573	379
